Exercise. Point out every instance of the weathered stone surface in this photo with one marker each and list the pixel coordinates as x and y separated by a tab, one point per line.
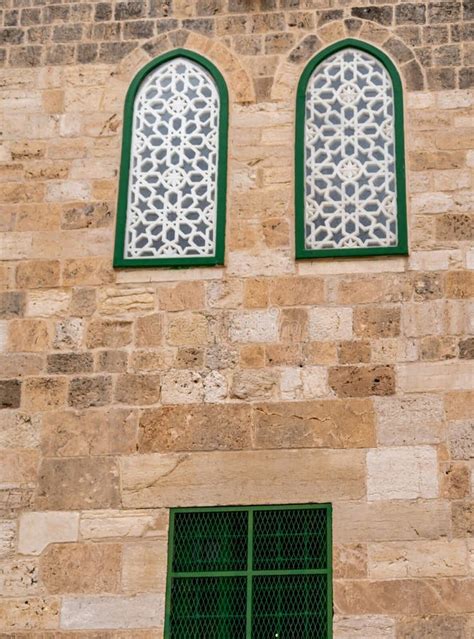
364	627
431	627
10	393
195	427
349	561
109	334
89	432
28	335
399	560
254	385
137	389
414	597
254	326
19	578
362	381
19	430
149	330
377	322
140	611
39	529
330	324
463	518
434	376
44	393
18	466
29	613
461	440
419	478
85	392
409	420
68	484
459	404
181	297
101	524
7	536
121	301
243	477
315	424
181	387
144	566
391	521
81	568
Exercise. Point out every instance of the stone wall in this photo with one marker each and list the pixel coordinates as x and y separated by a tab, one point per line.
265	381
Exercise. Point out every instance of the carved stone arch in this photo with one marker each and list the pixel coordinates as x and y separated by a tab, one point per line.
402	54
238	81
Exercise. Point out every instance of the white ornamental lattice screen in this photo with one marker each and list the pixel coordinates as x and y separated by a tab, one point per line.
349	168
172	199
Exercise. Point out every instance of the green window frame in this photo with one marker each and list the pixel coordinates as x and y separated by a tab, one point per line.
250	572
302	252
120	261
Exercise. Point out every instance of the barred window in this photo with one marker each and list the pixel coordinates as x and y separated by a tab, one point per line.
241	572
350	179
173	174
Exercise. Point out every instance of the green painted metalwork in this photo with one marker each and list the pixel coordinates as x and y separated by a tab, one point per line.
258	572
402	247
218	258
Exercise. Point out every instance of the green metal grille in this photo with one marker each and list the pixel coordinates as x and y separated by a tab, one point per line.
260	572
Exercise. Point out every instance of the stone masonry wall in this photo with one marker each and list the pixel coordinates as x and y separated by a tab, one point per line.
126	392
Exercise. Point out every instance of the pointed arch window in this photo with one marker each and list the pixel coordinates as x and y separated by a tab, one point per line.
172	191
350	177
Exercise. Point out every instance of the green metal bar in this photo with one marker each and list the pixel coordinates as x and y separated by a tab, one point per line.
167	631
249	575
329	565
255	573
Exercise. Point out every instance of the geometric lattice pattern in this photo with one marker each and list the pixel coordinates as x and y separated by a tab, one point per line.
350	183
171	208
259	572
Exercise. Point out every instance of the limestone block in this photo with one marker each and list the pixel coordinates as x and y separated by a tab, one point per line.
7	536
119	301
362	381
140	611
19	430
315	424
297	291
44	393
137	389
248	477
181	387
102	524
149	330
68	334
463	518
144	566
67	191
351	266
85	392
195	427
87	433
39	529
18	466
86	271
215	387
254	326
402	473
28	335
425	377
315	382
187	329
91	568
422	319
225	294
431	627
414	596
459	404
78	483
19	578
436	558
108	334
254	384
266	263
181	297
48	303
377	322
29	613
37	274
330	324
349	561
409	420
461	439
364	627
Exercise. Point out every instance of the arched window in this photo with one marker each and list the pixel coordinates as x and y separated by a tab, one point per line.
350	177
172	192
